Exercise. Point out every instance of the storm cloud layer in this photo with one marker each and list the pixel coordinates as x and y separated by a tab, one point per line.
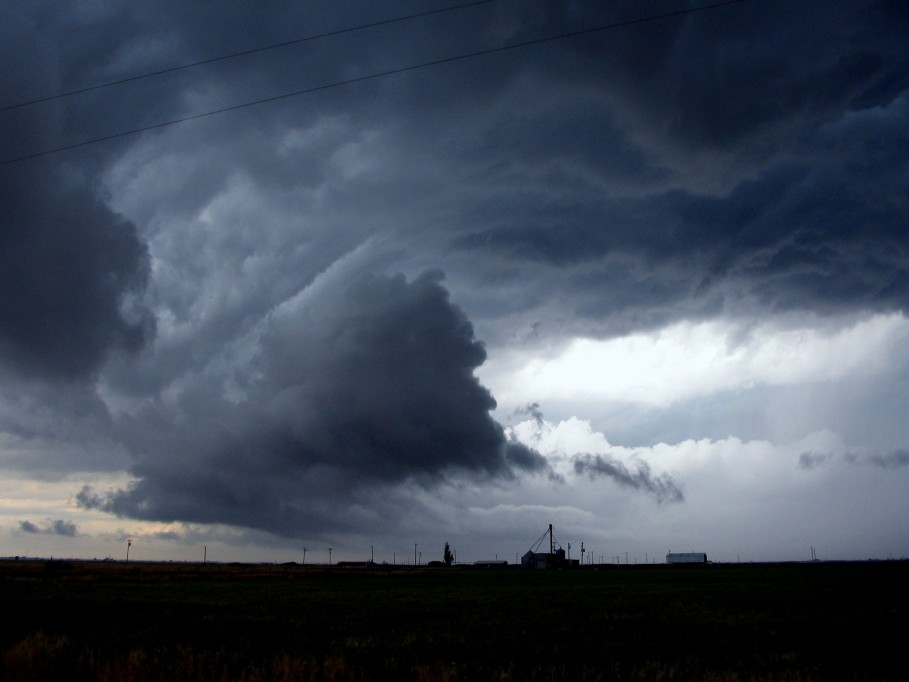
687	225
346	394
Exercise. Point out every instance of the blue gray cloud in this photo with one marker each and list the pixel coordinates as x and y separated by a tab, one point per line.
347	396
55	527
247	308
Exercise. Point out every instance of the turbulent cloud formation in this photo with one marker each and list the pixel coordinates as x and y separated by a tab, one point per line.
662	487
346	395
674	224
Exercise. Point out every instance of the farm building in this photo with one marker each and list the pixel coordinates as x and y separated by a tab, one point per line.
686	558
544	559
554	558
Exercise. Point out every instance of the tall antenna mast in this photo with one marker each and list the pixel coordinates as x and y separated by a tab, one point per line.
550	539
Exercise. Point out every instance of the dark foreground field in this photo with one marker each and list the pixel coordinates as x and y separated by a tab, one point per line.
97	621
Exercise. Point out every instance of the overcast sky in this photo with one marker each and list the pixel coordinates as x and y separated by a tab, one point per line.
646	283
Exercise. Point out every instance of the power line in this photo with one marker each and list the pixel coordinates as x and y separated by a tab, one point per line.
373	76
244	53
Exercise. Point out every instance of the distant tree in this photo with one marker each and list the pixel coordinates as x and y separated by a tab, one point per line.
447	555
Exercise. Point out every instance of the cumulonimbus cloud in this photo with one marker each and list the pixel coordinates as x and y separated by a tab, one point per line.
348	396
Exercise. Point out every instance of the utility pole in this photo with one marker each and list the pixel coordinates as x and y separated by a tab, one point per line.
329	556
415	554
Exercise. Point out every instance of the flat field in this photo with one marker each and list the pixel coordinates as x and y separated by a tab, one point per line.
116	621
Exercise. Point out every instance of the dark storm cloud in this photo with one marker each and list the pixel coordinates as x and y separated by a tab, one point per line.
351	394
68	268
71	271
57	527
721	160
749	163
523	457
662	487
742	161
826	237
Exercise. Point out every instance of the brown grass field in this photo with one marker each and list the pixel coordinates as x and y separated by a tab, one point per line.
141	621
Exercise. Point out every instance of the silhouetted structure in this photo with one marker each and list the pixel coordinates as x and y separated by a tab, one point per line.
554	558
686	558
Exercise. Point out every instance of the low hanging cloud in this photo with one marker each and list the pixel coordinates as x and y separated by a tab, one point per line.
663	487
892	459
349	396
567	442
57	527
